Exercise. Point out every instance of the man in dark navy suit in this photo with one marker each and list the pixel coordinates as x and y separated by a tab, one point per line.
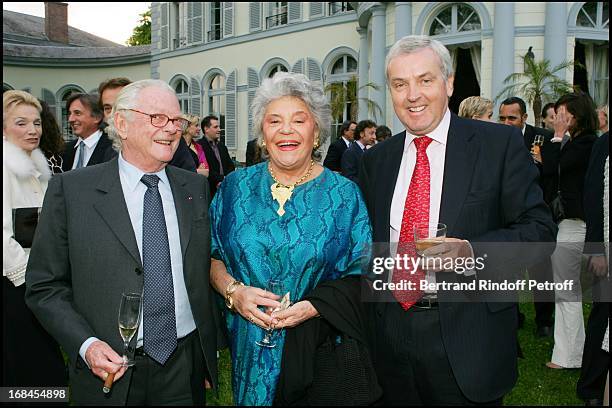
333	158
476	178
365	136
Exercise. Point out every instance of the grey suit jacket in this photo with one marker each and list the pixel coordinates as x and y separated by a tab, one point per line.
84	255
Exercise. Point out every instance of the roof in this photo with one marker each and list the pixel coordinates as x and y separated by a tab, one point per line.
18	28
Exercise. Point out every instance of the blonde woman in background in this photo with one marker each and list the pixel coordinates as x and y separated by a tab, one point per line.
476	107
191	134
31	356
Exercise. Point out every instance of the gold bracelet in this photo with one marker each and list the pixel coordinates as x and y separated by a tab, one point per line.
231	288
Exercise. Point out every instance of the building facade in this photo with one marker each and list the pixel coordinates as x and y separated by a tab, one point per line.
215	54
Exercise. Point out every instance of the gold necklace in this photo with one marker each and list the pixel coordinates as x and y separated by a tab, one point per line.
282	192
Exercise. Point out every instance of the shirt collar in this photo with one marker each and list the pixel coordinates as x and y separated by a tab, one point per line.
523	129
439	134
361	145
132	174
346	141
90	141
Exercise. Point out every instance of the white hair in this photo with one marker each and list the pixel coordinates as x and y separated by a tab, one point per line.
127	99
413	43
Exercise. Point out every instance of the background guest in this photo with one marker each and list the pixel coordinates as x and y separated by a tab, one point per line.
575	112
382	133
346	133
548	116
602	116
51	140
253	153
365	135
191	134
476	107
219	161
31	358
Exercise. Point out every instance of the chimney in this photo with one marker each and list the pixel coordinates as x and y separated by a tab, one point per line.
56	21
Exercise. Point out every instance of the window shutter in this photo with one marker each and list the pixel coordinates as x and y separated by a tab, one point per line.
228	19
194	91
197	25
253	84
295	12
254	16
298	67
314	69
316	9
230	111
165	27
190	21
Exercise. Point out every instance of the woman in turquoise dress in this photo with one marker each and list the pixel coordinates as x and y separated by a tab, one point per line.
288	219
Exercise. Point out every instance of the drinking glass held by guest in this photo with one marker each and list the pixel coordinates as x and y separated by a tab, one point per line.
288	219
191	134
31	356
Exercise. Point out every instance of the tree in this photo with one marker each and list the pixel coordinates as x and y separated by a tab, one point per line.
343	93
537	84
142	32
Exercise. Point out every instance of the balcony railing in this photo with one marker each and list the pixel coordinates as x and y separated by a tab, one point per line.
214	34
276	20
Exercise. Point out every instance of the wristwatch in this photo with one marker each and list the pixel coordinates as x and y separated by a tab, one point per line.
231	288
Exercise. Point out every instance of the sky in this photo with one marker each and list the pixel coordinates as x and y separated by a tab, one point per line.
113	21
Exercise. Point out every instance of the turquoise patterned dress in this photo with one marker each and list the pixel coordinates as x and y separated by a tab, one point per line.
322	236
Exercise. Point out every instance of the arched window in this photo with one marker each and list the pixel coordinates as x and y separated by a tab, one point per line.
594	15
342	81
277	68
216	100
455	18
182	93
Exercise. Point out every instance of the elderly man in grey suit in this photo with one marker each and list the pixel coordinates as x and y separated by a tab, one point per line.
132	224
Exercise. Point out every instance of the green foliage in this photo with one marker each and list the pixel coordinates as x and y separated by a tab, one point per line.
538	84
142	32
340	95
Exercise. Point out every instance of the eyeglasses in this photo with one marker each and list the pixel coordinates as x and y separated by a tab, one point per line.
160	120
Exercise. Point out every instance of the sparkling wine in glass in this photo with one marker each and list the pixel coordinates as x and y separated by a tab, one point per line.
130	311
274	286
428	235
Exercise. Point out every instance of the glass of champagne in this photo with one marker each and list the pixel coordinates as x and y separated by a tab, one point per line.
274	286
538	141
428	235
130	311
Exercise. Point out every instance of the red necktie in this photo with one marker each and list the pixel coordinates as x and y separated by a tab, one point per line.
416	212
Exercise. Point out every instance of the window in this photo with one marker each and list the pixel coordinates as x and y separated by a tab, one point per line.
594	15
215	16
344	74
182	93
338	7
277	15
216	100
455	18
277	68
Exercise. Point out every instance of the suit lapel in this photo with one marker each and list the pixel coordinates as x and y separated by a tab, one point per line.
183	202
113	210
385	186
69	154
462	151
96	156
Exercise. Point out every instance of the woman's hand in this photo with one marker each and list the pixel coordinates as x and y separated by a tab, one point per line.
295	315
247	300
537	155
562	122
203	170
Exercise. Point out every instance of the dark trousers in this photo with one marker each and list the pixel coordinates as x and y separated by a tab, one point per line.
595	361
412	363
543	300
178	382
31	357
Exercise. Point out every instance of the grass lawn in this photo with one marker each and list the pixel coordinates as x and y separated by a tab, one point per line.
537	384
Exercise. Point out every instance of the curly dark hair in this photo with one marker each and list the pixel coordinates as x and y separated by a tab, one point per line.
581	105
51	140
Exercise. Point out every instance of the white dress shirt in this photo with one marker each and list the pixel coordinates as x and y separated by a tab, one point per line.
88	149
133	192
436	153
346	141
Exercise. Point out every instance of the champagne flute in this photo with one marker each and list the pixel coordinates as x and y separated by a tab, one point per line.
274	286
428	235
129	320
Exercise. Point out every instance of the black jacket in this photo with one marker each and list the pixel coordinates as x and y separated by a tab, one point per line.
593	196
253	153
333	159
326	360
182	157
351	160
102	153
214	176
573	164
